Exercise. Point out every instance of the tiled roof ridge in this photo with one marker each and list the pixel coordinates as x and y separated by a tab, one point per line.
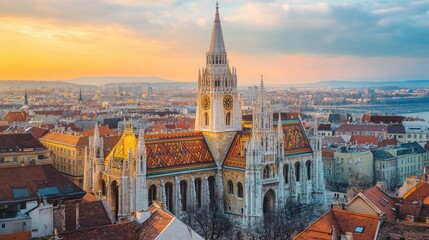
172	135
354	213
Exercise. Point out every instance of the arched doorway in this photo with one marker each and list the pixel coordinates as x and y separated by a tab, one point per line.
169	196
269	203
114	188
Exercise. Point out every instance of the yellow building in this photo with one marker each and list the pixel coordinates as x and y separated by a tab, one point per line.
68	153
68	150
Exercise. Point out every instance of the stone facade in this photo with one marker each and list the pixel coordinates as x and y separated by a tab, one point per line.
244	173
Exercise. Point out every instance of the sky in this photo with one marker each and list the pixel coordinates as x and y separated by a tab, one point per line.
289	42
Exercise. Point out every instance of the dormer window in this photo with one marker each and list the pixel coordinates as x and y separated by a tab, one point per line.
359	229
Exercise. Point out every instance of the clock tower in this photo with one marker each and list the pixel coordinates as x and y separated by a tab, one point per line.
218	111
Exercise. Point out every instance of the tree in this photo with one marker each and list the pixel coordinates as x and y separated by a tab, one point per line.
285	222
209	223
358	181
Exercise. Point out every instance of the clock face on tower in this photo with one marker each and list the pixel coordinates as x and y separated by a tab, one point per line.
205	102
228	102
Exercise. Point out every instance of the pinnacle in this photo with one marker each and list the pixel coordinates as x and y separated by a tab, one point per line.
217	44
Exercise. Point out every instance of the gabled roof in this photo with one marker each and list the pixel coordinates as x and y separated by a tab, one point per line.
156	224
295	142
236	155
381	200
418	192
25	182
14	142
342	221
15	116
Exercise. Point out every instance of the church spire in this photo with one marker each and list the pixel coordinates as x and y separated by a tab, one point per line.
80	95
25	98
217	46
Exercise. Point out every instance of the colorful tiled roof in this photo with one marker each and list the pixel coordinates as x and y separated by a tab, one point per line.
295	142
177	152
236	155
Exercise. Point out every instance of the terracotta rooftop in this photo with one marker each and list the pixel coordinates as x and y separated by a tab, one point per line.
403	230
382	118
25	182
102	130
156	224
381	200
12	116
49	112
387	142
14	142
418	192
127	230
338	222
38	132
66	139
328	153
355	139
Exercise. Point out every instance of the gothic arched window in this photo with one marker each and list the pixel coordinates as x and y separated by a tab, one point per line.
228	119
206	119
286	173
239	190
198	191
183	194
230	187
212	183
266	173
297	171
169	196
308	166
152	194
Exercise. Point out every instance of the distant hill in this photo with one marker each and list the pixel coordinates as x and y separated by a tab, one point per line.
106	80
31	84
405	83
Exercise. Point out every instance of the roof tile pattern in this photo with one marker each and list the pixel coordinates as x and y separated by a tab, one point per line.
175	150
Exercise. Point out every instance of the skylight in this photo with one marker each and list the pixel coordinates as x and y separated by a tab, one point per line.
359	229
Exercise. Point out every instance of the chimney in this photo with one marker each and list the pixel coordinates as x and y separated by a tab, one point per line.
142	216
77	215
349	236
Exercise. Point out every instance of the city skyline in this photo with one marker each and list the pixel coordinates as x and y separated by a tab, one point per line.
289	42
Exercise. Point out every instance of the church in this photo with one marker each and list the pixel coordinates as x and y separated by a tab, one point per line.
245	166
